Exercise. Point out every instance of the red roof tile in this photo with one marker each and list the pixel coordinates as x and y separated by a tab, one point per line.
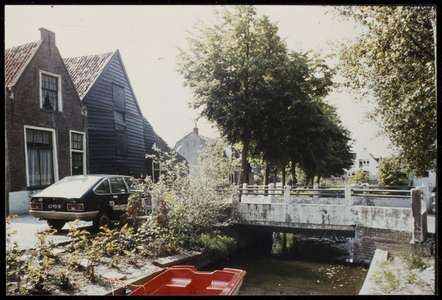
84	70
16	60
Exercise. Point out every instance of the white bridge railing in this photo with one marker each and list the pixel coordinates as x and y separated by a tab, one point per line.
358	195
327	192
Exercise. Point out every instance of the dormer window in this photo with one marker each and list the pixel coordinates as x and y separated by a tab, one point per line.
50	95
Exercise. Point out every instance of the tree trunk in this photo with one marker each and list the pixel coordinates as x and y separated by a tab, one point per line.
283	176
266	178
318	179
294	180
267	174
243	175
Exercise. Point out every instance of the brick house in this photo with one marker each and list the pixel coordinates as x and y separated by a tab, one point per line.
45	122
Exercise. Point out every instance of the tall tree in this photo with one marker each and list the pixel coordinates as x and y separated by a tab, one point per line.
290	121
227	67
326	146
393	59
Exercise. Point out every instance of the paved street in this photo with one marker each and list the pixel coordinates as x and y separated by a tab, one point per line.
28	226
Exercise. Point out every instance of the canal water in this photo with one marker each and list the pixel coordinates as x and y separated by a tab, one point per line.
306	266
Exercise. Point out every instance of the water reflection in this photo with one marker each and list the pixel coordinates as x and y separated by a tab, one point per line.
304	266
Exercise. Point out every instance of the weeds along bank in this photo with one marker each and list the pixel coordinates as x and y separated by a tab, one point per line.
192	214
51	269
402	274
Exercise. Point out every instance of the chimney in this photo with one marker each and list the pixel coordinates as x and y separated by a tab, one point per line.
48	36
195	129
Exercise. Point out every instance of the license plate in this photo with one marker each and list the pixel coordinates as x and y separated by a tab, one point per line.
54	206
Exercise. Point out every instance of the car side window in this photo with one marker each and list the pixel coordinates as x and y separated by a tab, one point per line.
132	185
103	188
118	186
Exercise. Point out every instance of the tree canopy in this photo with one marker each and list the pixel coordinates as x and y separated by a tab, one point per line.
228	67
260	94
393	60
390	173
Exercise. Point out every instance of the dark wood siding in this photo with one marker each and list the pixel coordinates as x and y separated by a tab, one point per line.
105	155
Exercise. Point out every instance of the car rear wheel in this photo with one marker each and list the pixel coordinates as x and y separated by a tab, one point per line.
103	219
56	224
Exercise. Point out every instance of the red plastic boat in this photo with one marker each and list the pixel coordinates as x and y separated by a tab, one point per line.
186	280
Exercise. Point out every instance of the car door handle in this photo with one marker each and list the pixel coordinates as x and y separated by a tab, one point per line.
115	197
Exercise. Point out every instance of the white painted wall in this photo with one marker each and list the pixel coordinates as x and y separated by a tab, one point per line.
431	179
19	201
369	164
189	147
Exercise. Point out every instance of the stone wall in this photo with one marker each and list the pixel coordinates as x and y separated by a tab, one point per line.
367	240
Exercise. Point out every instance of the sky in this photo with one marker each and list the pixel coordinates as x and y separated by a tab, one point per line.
148	38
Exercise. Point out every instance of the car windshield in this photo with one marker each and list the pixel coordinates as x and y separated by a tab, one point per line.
70	187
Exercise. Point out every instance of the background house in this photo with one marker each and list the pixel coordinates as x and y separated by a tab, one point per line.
192	144
189	147
45	123
366	162
120	136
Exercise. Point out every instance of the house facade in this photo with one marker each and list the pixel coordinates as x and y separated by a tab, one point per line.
120	137
366	162
192	144
45	122
189	147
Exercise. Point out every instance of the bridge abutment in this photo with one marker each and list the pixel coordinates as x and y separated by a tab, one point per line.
368	239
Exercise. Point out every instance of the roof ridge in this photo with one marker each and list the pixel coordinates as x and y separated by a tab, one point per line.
90	55
85	77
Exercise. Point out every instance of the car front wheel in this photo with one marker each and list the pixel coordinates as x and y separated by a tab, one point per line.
56	224
103	219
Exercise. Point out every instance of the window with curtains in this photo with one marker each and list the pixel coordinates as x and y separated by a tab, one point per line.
39	157
49	92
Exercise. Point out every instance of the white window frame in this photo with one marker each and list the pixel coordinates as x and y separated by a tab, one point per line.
54	151
76	150
59	98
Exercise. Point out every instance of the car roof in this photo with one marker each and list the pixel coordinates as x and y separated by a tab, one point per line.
101	175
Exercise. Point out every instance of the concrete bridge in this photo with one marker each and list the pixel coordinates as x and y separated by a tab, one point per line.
393	220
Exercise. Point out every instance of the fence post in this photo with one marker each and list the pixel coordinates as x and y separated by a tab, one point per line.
427	189
271	189
418	209
234	197
244	191
315	187
349	202
287	189
419	242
